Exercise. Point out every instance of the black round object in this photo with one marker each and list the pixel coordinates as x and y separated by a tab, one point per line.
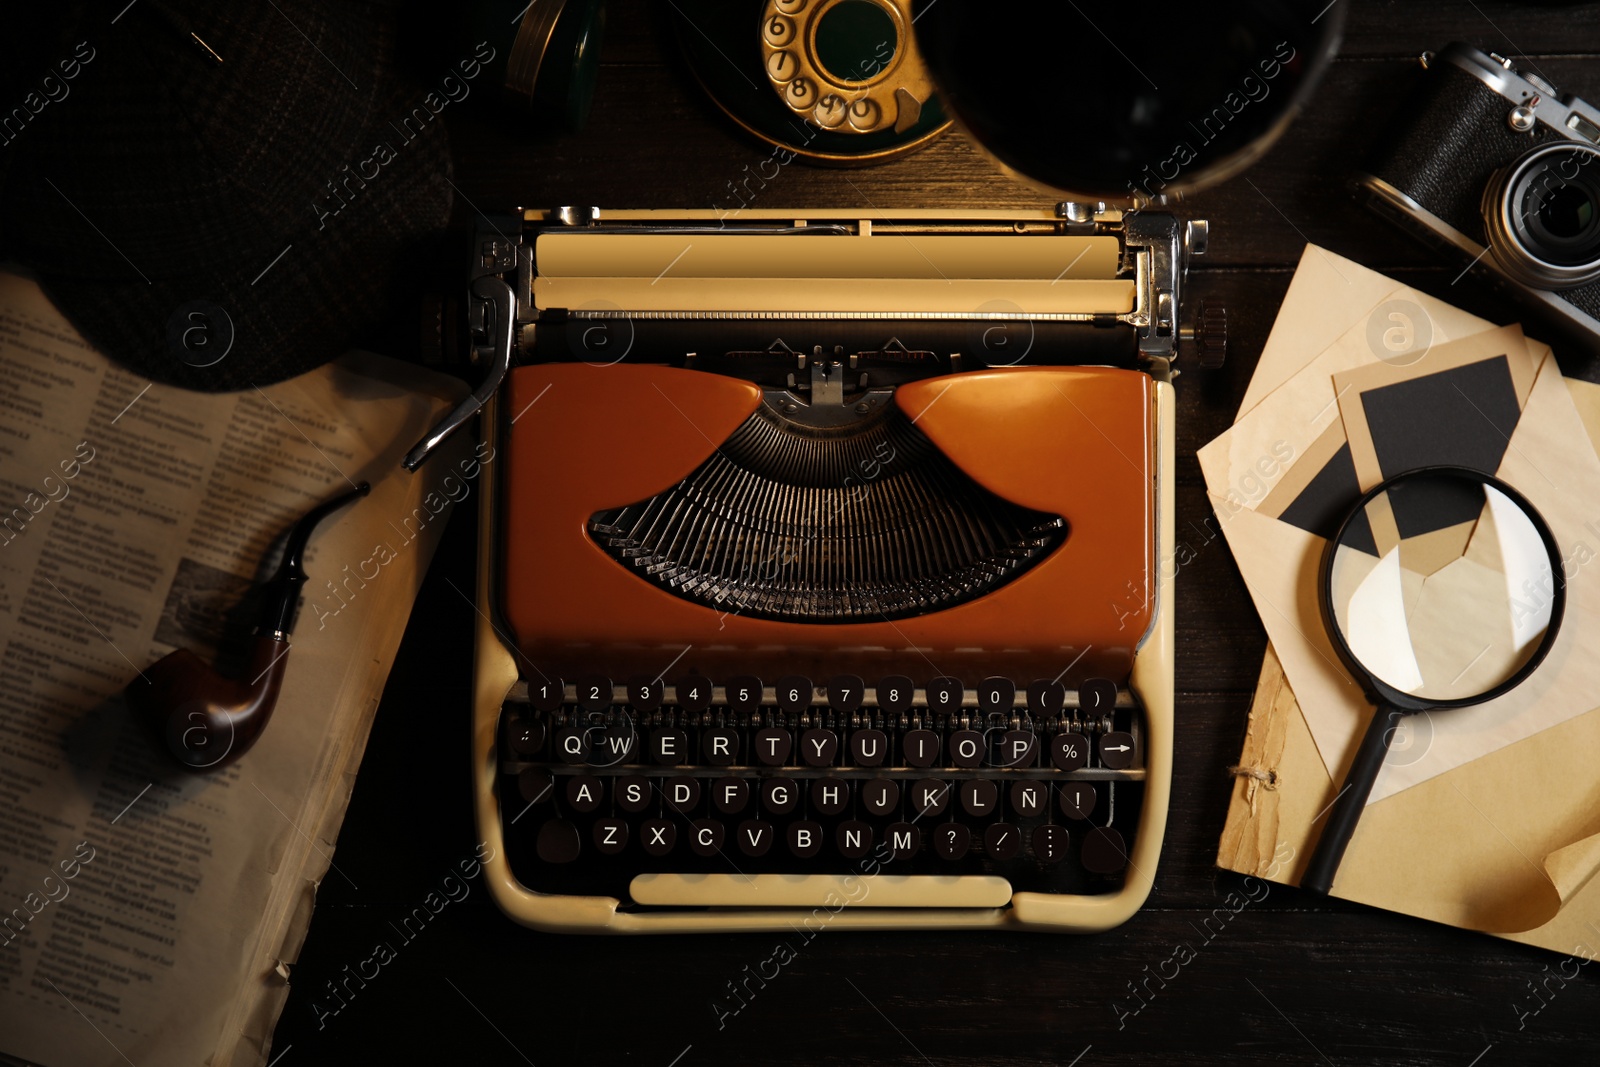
1402	650
1424	500
224	195
1105	106
1549	216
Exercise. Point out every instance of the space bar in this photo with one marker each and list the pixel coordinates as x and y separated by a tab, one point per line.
811	890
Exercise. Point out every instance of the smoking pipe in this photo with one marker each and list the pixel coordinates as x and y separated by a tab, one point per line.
205	719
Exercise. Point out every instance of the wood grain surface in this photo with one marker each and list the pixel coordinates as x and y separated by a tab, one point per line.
1216	969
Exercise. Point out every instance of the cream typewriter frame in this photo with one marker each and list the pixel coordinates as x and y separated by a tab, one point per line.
495	674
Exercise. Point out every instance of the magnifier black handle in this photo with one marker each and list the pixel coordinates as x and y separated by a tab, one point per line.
1347	806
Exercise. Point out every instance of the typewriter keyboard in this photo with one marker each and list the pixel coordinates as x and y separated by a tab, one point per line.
1036	783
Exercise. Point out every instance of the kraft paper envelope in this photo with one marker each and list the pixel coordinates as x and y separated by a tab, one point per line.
1507	844
1238	464
1279	562
1328	295
1352	387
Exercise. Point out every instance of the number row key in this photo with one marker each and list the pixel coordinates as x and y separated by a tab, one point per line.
845	693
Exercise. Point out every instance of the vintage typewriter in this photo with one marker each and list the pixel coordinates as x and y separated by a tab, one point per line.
821	564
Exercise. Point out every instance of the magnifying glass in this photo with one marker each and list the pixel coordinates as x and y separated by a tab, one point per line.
1443	588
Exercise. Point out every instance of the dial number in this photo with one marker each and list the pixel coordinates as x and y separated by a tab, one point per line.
782	67
779	31
801	93
865	114
830	111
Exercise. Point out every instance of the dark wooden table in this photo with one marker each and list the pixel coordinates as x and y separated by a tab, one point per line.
1292	978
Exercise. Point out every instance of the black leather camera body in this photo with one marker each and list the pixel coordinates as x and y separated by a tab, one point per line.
1495	162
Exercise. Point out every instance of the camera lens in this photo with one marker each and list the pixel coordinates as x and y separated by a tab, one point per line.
1542	215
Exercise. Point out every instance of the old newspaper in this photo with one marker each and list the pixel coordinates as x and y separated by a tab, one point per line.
147	914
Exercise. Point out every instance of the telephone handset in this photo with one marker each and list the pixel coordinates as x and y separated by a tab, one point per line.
845	65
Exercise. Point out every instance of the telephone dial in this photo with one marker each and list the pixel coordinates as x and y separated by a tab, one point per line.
832	81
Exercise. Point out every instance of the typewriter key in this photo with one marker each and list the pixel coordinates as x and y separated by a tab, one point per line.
794	693
584	792
830	795
921	747
979	796
1018	748
895	693
545	693
819	747
693	693
572	744
853	839
535	785
944	695
995	695
558	842
779	795
744	693
644	693
754	837
632	793
845	692
804	839
682	793
610	836
1077	800
1046	697
1050	843
524	735
881	796
668	747
952	840
966	748
730	795
904	840
720	746
594	692
1097	696
1001	841
1104	851
658	836
773	746
1029	799
1069	751
617	745
1116	750
930	796
705	837
868	748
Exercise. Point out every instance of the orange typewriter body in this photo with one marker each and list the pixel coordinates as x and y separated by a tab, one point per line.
908	664
1025	434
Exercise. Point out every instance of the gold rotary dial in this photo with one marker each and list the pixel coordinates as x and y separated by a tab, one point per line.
848	66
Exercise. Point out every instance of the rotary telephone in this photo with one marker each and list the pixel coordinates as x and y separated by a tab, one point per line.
831	81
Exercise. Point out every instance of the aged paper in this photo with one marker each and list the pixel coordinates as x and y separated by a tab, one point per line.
1327	296
1488	846
145	911
1279	562
1289	422
1507	842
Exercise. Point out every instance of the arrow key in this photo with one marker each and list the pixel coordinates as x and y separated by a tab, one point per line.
1117	750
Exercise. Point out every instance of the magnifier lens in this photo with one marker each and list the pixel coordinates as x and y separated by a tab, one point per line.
1442	587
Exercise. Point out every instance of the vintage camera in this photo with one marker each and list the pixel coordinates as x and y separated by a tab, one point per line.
1494	161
